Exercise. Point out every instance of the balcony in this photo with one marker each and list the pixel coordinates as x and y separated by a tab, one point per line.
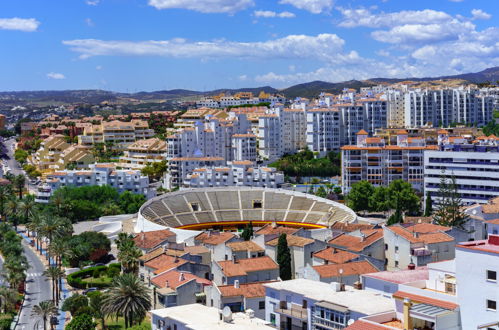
295	311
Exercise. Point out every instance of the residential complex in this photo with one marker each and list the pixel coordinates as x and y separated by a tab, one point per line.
143	152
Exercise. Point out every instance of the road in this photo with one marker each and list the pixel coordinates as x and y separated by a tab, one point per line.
13	165
37	290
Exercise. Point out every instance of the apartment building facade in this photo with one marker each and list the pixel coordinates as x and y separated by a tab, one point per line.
143	152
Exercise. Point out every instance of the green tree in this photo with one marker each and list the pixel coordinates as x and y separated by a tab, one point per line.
19	183
402	197
75	303
379	201
284	258
45	310
396	217
358	197
96	303
321	192
129	255
247	232
81	322
448	211
428	210
54	274
128	297
88	246
8	299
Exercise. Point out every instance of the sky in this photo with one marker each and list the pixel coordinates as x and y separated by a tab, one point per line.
146	45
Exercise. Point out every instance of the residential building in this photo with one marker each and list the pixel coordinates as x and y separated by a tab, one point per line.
143	152
324	130
46	158
116	134
417	245
244	270
215	242
331	255
100	175
346	273
151	240
244	147
306	304
180	167
473	163
243	250
371	159
177	288
301	250
477	286
388	282
238	297
200	317
75	157
236	173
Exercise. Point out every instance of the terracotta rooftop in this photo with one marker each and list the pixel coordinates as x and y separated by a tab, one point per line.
335	256
164	262
489	245
247	290
401	276
426	300
349	227
292	241
422	233
151	239
364	325
350	268
214	237
244	266
151	255
357	243
245	246
196	249
173	279
278	230
362	132
491	207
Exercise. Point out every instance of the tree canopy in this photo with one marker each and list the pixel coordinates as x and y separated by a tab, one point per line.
284	258
304	163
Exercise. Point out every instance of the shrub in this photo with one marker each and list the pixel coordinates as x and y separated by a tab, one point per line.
96	273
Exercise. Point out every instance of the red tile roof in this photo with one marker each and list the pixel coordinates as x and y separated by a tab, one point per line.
151	239
244	266
422	233
292	241
364	325
245	246
270	230
214	238
174	279
164	262
335	256
350	268
356	243
349	227
248	290
426	300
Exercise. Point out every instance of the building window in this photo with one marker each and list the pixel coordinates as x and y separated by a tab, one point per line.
491	275
261	304
396	249
257	204
491	305
396	263
195	207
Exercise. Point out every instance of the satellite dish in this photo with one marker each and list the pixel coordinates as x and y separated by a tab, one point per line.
350	322
227	313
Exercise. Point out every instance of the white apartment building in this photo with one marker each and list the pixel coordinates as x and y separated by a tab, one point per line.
244	147
100	175
236	173
323	130
396	108
180	167
477	266
371	159
143	152
281	131
441	107
474	165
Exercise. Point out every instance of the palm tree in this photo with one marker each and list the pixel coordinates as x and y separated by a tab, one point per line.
35	225
122	239
3	197
53	227
27	208
12	207
128	297
45	310
55	274
59	248
95	304
129	256
19	182
8	299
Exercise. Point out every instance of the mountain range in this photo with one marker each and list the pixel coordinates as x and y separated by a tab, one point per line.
310	89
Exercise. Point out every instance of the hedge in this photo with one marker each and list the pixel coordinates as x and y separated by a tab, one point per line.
76	279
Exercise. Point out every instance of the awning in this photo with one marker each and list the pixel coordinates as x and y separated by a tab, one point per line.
331	306
429	310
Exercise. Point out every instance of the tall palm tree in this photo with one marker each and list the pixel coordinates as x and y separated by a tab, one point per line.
45	310
53	227
3	197
27	208
129	297
122	239
12	208
19	183
59	248
35	225
55	274
129	255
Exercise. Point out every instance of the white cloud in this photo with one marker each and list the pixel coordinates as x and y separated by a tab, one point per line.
272	14
364	17
92	2
243	77
479	14
313	6
204	6
19	24
55	75
89	22
324	47
98	67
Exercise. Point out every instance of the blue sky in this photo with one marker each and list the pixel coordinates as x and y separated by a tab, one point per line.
134	45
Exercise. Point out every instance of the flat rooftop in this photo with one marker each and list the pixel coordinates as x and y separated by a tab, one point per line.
362	301
401	276
197	316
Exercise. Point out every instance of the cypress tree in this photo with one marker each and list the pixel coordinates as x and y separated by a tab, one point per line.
428	210
448	212
284	258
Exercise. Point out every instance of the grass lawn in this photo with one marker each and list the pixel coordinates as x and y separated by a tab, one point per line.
113	324
100	280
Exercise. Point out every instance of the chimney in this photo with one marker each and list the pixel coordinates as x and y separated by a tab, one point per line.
415	234
357	285
143	236
236	284
167	284
234	259
362	237
411	266
181	277
334	250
